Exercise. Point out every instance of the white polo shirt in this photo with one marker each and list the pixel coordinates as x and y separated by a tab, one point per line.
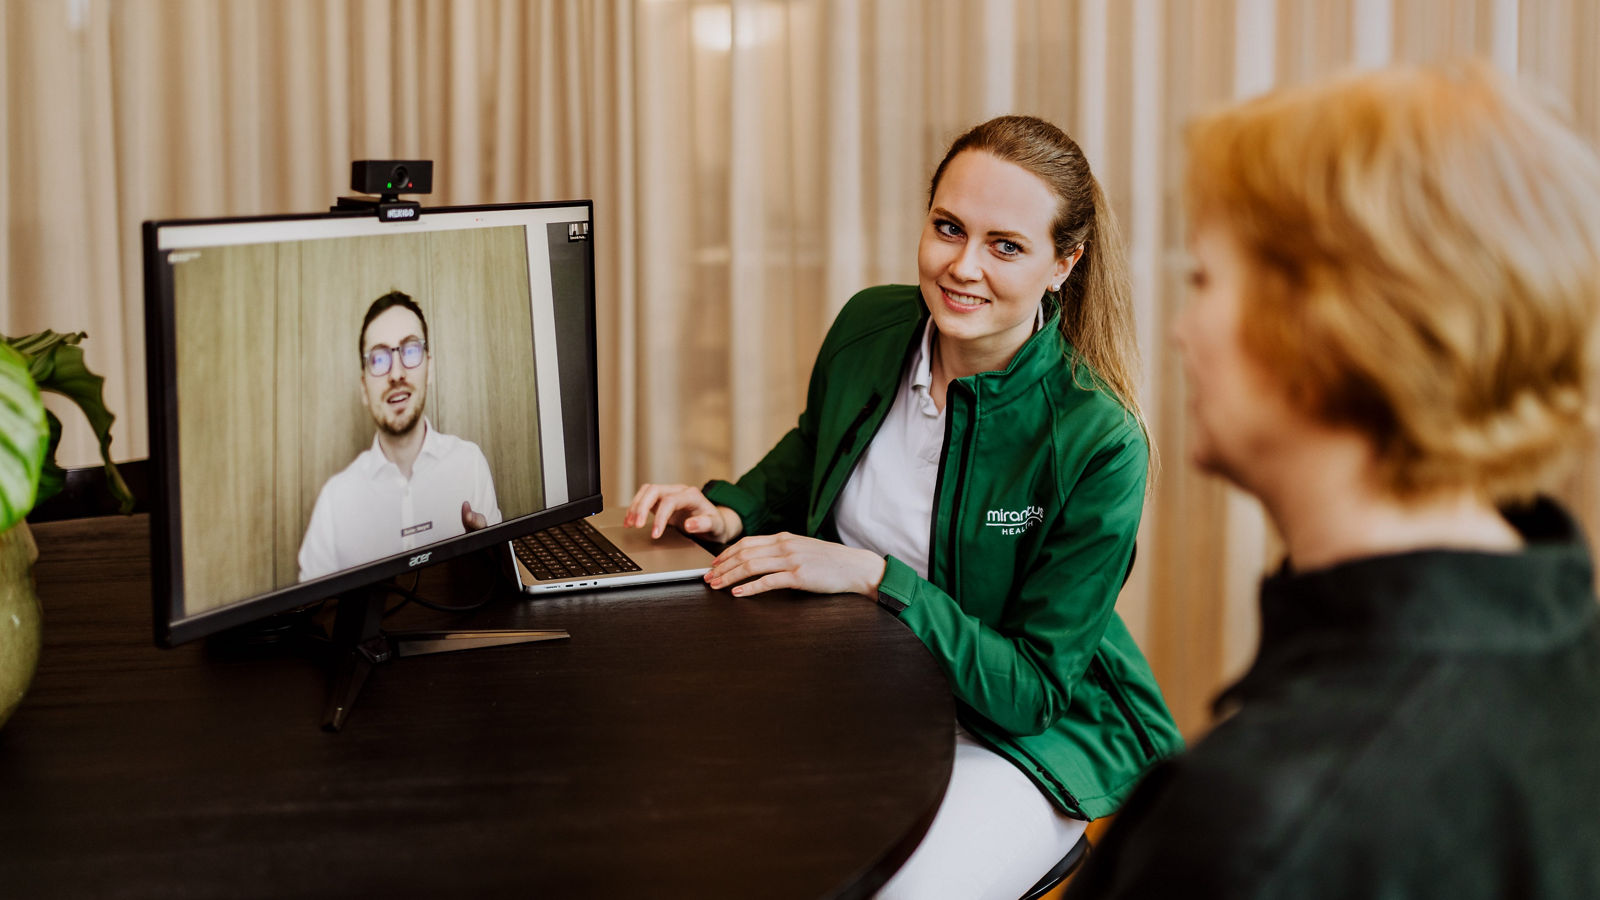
887	505
369	510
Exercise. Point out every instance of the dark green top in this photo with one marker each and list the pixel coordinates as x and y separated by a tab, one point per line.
1040	489
1419	725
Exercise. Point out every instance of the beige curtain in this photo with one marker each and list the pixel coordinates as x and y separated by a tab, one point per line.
753	163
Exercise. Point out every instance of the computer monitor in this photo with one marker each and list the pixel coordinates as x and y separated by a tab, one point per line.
280	358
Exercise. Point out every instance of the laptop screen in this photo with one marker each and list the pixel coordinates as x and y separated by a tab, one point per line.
337	399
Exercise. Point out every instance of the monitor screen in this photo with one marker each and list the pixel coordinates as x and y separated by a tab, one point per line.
336	400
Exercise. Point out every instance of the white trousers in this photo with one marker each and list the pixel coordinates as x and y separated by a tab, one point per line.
995	834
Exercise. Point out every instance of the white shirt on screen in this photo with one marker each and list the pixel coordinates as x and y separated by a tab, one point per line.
369	510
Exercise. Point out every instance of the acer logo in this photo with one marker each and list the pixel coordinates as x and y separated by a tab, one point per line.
420	558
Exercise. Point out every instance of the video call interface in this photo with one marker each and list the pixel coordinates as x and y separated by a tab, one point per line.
349	391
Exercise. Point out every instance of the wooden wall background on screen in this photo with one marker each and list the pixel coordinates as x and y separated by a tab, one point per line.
225	406
269	385
480	317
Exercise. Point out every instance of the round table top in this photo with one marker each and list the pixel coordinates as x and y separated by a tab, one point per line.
682	743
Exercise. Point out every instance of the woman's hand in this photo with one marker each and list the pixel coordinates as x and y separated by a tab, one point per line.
685	507
789	561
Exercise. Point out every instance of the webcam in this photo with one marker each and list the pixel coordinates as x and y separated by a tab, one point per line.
392	176
388	178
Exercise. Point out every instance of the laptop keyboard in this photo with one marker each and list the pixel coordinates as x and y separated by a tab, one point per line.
571	550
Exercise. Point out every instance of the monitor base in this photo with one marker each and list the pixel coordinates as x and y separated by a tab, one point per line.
359	643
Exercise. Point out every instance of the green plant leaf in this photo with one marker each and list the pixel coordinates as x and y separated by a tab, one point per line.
52	478
66	374
24	438
38	349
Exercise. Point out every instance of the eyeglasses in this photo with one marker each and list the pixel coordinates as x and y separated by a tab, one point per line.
380	359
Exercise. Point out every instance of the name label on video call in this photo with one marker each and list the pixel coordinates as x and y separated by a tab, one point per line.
416	529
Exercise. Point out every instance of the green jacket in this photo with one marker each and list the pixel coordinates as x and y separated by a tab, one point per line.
1039	495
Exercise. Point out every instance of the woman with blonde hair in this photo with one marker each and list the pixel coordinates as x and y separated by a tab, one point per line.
971	456
1390	344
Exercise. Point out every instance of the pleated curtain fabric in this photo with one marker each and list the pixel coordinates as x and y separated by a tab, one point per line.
753	163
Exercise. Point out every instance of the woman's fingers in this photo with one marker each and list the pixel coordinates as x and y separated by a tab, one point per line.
683	505
644	500
770	562
706	523
666	507
664	501
772	582
775	561
747	558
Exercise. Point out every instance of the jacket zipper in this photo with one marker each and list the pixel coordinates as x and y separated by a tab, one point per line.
1095	665
1072	802
961	483
961	479
1102	675
848	442
938	488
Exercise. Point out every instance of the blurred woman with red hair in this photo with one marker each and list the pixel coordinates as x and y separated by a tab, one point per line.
1390	344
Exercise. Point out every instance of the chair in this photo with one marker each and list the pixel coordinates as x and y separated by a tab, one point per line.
1059	872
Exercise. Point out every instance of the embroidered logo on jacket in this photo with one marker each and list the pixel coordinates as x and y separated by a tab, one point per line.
1014	521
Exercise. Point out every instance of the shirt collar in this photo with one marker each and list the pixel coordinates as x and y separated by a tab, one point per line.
1443	598
432	444
1430	602
922	362
374	463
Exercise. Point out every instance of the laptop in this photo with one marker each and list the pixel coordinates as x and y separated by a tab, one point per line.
600	552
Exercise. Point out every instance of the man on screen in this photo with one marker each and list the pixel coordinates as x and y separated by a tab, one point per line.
414	485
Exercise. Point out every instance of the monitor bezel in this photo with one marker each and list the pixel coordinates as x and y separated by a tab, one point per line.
171	626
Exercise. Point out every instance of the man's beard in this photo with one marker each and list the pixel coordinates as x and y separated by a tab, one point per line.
405	425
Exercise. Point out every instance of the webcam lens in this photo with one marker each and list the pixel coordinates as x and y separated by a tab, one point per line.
399	176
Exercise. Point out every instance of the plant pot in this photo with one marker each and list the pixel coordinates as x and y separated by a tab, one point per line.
19	617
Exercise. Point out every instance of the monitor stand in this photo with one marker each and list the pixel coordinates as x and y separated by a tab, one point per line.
359	643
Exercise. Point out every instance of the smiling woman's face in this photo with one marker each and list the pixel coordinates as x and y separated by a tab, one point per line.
396	397
986	257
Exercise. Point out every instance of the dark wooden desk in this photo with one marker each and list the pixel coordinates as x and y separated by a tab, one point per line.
684	743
